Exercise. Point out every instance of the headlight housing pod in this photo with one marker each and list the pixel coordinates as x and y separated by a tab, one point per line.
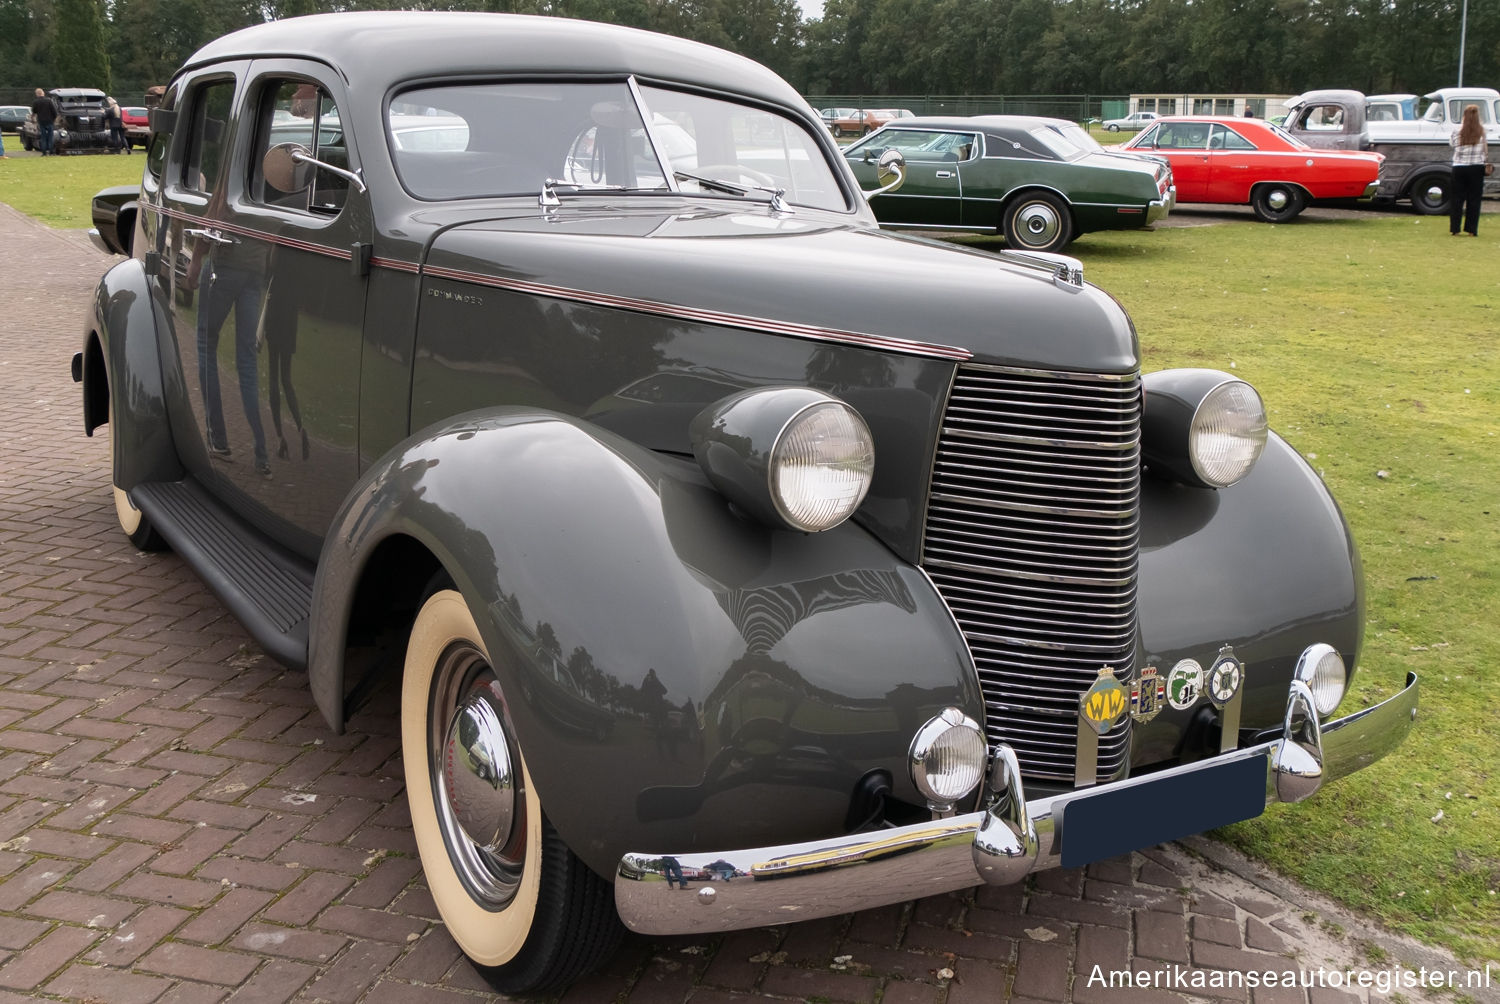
788	456
1202	427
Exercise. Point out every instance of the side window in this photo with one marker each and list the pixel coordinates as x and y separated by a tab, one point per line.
1183	136
1323	118
1224	138
300	112
208	136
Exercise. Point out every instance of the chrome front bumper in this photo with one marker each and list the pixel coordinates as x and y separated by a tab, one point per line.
1371	190
1004	843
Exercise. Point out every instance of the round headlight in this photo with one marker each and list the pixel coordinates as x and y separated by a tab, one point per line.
1322	669
793	457
1227	434
821	466
948	757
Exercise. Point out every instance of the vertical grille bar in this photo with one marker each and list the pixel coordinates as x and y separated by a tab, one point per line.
1032	533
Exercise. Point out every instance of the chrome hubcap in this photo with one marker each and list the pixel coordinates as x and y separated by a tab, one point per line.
1277	200
477	772
1039	223
475	777
1435	195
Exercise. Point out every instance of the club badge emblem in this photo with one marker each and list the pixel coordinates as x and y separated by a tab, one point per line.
1184	684
1225	677
1147	692
1104	702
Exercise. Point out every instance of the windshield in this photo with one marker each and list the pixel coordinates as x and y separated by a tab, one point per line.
475	140
1287	137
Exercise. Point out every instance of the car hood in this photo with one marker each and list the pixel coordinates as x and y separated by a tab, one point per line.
802	273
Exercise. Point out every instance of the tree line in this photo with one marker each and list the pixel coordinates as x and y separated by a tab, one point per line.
871	46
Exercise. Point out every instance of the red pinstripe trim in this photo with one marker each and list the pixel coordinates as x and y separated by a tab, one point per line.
809	331
343	254
397	265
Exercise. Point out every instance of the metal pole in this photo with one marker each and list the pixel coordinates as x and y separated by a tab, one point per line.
1463	32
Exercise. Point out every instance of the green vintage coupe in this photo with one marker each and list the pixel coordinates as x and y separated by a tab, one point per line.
491	358
1013	174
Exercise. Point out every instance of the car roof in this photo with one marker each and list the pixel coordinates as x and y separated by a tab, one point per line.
975	123
377	50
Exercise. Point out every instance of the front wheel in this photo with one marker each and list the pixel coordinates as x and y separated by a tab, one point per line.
530	915
1432	195
1037	221
134	522
1276	203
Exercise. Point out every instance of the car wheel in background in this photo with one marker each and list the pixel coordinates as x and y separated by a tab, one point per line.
1276	203
1037	221
519	903
1112	128
1430	196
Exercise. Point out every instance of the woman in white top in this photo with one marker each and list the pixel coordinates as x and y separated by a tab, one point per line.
1469	154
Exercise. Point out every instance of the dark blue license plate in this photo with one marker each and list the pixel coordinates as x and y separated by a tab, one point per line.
1148	811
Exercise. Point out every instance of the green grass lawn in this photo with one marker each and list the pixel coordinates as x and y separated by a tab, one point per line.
1374	344
57	190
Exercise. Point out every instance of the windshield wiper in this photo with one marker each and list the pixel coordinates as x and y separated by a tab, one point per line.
778	195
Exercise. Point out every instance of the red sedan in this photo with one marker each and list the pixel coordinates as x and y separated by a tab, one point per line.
1245	160
137	126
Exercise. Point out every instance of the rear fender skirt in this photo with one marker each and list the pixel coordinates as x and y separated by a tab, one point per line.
670	666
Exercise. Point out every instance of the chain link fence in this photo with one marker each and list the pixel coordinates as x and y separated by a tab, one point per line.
1077	107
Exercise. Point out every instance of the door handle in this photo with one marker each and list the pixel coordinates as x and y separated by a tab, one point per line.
944	174
210	235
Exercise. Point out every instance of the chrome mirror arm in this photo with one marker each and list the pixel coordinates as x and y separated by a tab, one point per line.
353	177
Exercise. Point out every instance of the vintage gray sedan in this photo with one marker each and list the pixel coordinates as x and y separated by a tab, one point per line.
712	600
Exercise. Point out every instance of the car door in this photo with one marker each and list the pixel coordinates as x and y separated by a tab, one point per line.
931	195
270	316
1234	163
1185	145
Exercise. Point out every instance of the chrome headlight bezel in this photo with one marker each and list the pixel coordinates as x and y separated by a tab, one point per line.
1322	668
948	758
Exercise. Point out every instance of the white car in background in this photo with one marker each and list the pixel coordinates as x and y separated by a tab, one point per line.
1134	122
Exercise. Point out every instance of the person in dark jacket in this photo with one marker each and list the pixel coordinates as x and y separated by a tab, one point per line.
115	122
45	110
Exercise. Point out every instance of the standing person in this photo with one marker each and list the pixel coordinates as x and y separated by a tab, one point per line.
116	125
1470	151
45	110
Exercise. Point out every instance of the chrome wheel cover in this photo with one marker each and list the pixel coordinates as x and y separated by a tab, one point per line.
1037	224
1278	198
475	788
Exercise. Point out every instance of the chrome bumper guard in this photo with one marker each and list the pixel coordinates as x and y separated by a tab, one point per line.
1000	845
1371	190
1159	208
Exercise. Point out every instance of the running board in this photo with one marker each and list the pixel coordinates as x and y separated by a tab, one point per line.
266	590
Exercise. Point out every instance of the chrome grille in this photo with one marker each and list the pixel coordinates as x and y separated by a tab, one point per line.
1032	532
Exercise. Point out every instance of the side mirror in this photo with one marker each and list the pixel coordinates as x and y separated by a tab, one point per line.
891	165
288	167
284	171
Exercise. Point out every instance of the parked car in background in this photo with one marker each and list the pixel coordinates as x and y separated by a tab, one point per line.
832	115
1391	107
80	124
680	565
1244	161
137	125
1018	175
1417	152
856	122
1134	122
12	117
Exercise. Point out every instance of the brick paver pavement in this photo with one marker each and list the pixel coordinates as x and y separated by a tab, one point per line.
178	824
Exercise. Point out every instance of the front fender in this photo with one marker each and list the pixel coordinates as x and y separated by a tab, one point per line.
676	671
122	368
1267	566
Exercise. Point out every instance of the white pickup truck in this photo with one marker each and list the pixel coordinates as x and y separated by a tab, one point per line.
1417	153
